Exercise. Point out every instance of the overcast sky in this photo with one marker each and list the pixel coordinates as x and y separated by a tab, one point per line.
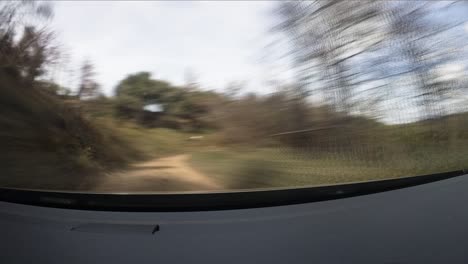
218	41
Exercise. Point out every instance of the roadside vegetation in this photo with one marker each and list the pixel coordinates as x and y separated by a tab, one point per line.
55	137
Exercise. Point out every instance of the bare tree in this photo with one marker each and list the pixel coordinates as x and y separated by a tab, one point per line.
88	88
352	53
26	50
420	45
36	51
328	38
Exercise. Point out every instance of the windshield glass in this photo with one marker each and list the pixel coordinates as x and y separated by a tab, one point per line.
211	96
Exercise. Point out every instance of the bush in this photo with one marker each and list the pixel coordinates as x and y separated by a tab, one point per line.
44	137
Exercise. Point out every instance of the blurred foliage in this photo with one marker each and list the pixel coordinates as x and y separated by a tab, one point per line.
354	57
44	137
25	49
88	88
182	108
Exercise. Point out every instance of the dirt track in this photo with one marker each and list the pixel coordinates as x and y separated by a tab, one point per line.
165	174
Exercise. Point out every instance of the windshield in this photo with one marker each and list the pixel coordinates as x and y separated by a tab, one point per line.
131	97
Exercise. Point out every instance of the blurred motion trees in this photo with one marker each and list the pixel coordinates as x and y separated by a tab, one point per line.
328	38
180	108
369	59
44	142
352	54
26	50
88	88
418	44
362	69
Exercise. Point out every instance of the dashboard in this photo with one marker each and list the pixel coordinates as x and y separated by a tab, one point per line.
424	223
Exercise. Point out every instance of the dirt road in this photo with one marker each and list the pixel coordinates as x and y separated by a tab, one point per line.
166	174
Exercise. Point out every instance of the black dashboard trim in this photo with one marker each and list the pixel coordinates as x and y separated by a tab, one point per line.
211	201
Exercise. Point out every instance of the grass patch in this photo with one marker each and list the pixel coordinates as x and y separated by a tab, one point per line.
285	167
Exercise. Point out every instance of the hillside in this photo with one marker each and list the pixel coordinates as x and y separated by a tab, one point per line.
46	144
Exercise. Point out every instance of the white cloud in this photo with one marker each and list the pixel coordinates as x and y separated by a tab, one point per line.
465	26
450	71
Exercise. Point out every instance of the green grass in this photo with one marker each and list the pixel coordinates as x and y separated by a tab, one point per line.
286	168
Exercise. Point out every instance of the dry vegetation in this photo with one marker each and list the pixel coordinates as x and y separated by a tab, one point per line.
54	139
